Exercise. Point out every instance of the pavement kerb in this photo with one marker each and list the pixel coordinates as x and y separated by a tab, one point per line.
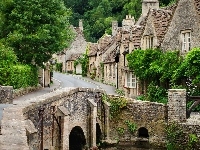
59	85
84	79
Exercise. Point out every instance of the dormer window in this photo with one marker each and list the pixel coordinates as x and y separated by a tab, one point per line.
148	42
186	40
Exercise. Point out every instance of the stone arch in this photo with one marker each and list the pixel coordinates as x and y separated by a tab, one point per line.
77	140
143	132
98	133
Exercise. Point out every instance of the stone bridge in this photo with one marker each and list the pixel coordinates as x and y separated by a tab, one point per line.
64	119
71	118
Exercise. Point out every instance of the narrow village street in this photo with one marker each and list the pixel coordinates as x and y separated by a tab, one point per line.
61	80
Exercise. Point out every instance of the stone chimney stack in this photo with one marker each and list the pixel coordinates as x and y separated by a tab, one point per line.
149	4
114	27
81	25
128	22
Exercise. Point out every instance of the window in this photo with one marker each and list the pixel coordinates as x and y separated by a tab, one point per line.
148	40
130	80
186	40
110	70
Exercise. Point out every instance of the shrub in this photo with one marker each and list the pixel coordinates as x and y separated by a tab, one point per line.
22	76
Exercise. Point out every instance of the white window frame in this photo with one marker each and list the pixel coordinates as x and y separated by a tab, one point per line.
185	41
148	40
130	80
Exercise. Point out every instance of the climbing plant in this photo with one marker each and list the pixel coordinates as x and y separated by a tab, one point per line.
102	70
178	139
84	61
131	126
117	104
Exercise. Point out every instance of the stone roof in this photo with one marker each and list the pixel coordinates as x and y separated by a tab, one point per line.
78	30
161	20
137	31
136	35
118	36
104	43
197	6
74	57
110	58
93	49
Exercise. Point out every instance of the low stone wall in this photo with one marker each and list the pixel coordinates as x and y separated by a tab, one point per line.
23	91
149	115
6	94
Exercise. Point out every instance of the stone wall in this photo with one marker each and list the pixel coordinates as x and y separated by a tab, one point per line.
6	94
151	116
177	105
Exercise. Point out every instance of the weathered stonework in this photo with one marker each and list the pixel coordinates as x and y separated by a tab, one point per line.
6	94
23	91
177	105
151	116
47	121
185	17
56	114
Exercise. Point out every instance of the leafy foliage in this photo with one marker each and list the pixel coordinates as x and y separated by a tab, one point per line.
178	139
84	60
163	70
14	74
22	76
156	94
131	126
35	29
98	14
59	67
117	103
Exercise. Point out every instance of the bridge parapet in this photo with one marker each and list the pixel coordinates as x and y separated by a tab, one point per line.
51	118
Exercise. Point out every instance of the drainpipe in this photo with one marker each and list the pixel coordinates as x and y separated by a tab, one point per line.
117	61
117	77
43	76
41	112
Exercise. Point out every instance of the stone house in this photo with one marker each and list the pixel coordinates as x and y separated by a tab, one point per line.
157	24
183	33
93	49
104	44
70	64
78	46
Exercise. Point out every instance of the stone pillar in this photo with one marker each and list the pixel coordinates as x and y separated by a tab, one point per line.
177	105
65	134
93	106
107	126
65	126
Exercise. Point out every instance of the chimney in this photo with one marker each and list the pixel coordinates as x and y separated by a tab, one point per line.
81	25
128	22
114	27
149	4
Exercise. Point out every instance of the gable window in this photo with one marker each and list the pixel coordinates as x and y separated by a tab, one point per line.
130	80
186	40
148	42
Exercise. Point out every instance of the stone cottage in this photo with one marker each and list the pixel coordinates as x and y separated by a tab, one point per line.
183	33
78	46
70	62
103	44
93	64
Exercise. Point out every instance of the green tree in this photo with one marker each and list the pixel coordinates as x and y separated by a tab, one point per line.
35	29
